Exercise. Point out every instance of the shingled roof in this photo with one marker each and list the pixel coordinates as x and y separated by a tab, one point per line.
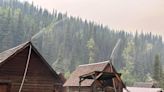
8	53
84	69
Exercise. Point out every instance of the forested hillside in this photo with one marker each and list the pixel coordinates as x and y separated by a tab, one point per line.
72	41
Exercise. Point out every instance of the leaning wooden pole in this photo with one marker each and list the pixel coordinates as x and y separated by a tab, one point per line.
79	84
110	62
26	69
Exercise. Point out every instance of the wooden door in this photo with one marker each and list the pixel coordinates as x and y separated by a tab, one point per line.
3	88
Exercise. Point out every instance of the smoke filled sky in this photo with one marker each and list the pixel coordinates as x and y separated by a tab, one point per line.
128	15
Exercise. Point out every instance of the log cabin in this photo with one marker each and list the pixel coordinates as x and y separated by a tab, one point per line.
40	76
95	77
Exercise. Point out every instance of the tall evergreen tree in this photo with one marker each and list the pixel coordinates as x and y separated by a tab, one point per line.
157	69
127	71
162	82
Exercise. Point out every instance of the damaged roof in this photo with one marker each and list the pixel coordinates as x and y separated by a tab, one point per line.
85	69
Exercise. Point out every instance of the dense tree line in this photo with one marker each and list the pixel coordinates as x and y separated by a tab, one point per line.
158	73
74	41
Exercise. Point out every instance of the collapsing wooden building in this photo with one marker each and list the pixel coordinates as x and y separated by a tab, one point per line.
40	77
96	77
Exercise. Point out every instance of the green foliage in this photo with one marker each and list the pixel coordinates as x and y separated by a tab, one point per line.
157	69
149	78
127	71
67	74
128	52
91	48
161	81
127	76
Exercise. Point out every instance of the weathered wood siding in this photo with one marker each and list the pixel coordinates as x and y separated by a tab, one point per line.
39	78
76	89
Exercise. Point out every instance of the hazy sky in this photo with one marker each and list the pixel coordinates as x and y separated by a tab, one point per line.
129	15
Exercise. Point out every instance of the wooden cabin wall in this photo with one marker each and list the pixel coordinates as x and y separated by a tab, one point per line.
76	89
39	78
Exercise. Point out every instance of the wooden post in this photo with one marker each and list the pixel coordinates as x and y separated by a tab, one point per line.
114	86
79	84
94	85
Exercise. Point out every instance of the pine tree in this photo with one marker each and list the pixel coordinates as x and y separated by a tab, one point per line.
157	69
162	82
127	71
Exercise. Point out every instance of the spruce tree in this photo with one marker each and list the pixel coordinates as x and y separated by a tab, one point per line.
157	69
162	82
